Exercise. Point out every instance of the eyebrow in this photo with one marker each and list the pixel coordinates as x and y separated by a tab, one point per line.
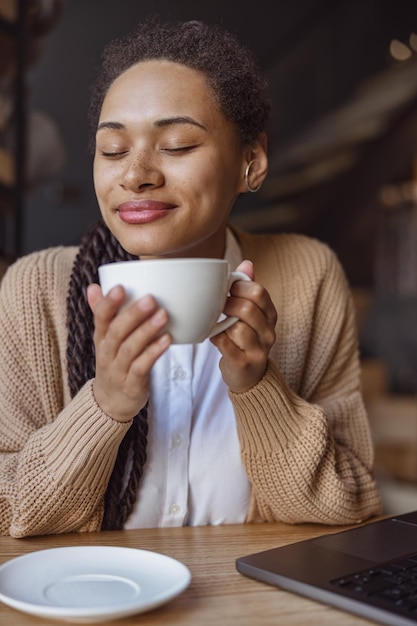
110	125
169	121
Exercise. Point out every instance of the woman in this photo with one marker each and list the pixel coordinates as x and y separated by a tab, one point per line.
104	424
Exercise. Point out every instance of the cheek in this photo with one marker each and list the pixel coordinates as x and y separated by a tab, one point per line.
103	179
96	176
215	183
202	178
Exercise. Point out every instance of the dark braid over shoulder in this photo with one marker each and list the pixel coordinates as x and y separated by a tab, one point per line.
97	247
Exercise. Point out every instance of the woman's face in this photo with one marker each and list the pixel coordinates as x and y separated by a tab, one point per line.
168	165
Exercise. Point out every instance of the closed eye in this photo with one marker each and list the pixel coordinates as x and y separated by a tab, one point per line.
113	154
179	149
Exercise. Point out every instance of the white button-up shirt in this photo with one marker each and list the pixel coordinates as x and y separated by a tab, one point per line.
193	474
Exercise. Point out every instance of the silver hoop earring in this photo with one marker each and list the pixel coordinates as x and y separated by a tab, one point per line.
248	187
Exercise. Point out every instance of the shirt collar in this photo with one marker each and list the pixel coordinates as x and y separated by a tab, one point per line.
233	252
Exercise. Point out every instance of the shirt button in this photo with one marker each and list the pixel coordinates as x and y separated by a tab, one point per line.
178	441
174	509
179	374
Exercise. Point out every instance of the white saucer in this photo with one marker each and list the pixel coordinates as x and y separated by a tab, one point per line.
89	584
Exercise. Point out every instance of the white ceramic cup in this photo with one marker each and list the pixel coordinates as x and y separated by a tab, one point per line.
193	291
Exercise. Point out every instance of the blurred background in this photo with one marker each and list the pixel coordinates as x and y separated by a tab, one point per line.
343	150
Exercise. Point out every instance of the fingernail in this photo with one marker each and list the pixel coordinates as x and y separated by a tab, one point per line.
146	303
116	292
159	318
164	340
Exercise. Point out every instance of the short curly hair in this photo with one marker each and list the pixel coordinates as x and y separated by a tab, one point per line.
230	69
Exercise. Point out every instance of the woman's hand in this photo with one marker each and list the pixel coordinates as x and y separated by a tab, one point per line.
127	344
246	344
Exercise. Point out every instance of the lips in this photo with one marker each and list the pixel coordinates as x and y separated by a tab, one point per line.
144	211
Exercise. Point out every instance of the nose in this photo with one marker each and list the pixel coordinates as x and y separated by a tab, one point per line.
141	171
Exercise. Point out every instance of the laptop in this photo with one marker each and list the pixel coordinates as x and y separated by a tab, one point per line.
370	570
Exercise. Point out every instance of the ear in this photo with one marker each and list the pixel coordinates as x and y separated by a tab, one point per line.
256	155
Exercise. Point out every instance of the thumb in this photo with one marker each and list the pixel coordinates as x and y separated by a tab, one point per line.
247	268
94	295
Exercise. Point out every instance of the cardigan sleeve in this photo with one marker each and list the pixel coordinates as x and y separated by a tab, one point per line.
304	433
55	460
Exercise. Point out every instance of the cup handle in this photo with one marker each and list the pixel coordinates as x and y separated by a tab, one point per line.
229	321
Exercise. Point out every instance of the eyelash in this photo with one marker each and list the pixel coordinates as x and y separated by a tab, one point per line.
166	150
181	149
112	154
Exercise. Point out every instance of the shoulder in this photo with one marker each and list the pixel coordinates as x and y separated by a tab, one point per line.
43	272
43	262
289	254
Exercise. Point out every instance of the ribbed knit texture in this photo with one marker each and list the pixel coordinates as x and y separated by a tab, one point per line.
303	429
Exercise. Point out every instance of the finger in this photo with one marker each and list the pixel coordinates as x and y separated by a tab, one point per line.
143	364
253	317
246	267
121	392
255	293
106	307
140	338
112	323
94	295
130	332
241	369
237	339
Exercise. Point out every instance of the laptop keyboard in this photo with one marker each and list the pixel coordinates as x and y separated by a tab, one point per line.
393	583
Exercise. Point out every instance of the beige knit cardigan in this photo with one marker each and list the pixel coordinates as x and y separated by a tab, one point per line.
303	429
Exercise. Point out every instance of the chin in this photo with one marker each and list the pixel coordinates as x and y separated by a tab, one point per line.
140	243
142	249
135	243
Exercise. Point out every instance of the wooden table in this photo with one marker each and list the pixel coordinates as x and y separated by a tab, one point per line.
218	595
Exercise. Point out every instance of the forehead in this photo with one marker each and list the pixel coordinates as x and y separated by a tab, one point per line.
160	85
